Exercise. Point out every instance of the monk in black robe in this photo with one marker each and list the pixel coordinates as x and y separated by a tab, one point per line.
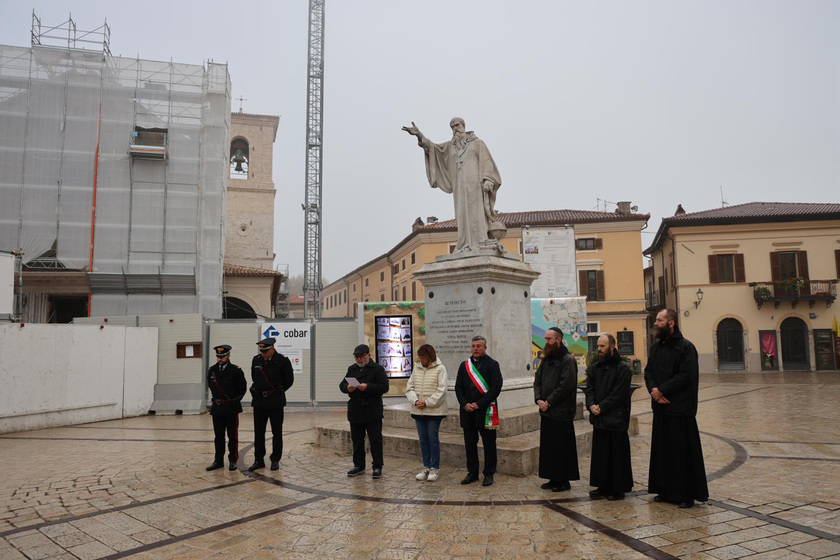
672	376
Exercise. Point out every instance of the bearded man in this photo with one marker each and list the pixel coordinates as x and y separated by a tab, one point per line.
608	402
464	168
555	387
677	472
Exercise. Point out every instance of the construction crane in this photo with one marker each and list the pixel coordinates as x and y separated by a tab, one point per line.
314	163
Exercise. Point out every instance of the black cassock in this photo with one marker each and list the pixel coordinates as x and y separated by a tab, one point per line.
677	471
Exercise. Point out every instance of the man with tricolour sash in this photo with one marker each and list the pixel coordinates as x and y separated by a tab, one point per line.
477	387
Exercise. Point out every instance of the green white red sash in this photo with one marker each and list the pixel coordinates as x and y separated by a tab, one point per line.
491	419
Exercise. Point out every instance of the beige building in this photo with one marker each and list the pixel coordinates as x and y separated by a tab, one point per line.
251	285
753	284
607	261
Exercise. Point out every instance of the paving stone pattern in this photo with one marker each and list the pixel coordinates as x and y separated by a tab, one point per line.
137	488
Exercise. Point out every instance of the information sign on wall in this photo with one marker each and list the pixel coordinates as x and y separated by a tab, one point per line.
552	253
624	341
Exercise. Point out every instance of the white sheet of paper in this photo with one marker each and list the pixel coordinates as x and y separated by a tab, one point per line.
352	381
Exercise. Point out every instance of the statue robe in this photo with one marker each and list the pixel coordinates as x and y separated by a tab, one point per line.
461	172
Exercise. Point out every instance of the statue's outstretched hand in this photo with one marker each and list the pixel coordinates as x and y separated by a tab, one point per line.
413	130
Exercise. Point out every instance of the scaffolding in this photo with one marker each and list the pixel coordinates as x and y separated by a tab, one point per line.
116	167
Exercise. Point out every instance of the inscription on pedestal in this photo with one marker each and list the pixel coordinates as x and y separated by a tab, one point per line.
454	324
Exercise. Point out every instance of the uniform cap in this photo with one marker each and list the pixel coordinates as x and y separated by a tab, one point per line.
222	350
266	343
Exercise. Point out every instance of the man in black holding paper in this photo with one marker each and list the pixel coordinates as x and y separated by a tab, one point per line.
365	383
477	387
272	375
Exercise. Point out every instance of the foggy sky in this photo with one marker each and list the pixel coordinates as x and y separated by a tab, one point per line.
658	103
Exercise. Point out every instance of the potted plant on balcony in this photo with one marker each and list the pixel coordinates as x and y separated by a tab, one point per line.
762	293
791	286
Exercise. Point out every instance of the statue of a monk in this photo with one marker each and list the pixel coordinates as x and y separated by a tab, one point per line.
464	167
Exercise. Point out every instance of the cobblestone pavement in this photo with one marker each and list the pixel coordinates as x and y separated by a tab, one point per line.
138	488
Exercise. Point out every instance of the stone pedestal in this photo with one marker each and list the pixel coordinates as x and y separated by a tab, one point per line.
485	295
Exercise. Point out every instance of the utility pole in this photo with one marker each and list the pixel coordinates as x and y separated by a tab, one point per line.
314	164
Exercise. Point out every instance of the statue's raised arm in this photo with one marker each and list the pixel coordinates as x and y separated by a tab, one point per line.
414	131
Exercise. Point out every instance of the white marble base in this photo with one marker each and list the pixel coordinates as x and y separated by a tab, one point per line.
482	295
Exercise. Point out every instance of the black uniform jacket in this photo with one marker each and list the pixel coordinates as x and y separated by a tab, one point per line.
365	406
227	387
275	373
467	392
672	367
608	386
556	382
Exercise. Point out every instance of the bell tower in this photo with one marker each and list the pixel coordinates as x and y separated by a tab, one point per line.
249	227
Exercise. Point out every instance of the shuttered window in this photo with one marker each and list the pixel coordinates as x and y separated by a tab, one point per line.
592	285
726	268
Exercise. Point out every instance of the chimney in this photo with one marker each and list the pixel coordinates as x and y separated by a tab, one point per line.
431	220
418	223
624	207
679	211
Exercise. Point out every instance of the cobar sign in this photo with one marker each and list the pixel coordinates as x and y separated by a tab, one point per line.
290	336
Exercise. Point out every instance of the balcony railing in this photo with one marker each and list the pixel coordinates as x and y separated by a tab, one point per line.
794	291
654	300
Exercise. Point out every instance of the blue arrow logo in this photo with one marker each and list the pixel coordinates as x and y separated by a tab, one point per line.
271	332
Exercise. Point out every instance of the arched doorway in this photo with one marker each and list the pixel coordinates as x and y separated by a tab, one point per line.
730	345
795	344
235	308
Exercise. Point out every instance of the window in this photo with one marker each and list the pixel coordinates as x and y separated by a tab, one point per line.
592	284
381	297
381	276
354	287
666	281
726	268
396	269
789	265
403	290
414	291
367	282
413	258
403	264
589	244
837	261
396	294
452	248
593	327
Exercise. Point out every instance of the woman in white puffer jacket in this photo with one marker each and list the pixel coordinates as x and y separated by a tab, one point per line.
426	391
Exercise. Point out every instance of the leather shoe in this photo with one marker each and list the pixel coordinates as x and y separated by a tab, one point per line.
614	497
257	465
659	499
562	487
355	471
686	505
275	465
377	473
595	494
548	485
214	466
470	478
488	480
232	467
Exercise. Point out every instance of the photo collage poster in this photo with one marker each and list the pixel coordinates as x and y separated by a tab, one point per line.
394	350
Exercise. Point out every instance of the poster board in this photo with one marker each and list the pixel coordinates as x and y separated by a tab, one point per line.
551	252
